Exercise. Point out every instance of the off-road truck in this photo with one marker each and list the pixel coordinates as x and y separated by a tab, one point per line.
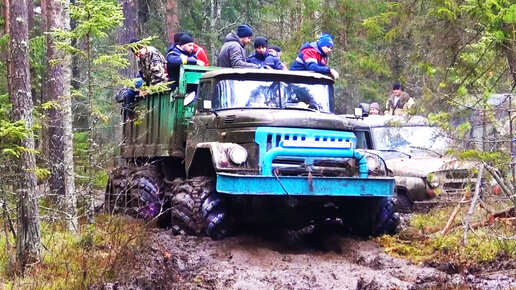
415	154
249	147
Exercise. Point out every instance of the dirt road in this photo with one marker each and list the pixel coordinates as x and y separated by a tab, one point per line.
255	262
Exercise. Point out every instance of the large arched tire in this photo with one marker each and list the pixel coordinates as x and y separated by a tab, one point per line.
115	197
387	218
137	193
403	203
197	209
214	210
378	217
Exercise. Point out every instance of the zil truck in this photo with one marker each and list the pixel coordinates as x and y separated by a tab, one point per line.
236	147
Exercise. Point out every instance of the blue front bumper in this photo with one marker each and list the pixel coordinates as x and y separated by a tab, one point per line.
302	186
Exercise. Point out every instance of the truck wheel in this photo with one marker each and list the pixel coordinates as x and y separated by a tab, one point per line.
185	201
114	200
380	218
387	219
404	204
136	193
197	209
214	210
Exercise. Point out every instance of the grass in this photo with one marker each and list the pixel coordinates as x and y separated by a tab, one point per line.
75	261
422	241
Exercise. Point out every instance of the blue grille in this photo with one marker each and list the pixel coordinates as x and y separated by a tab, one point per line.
268	138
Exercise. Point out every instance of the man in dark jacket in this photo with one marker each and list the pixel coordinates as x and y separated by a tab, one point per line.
181	53
261	56
232	54
199	51
313	56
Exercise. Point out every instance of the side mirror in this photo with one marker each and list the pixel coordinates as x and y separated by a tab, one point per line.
190	97
358	113
362	111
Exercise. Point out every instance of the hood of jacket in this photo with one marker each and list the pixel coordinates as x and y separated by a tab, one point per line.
312	44
232	37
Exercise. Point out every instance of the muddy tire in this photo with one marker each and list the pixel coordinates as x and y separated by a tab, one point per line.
185	201
136	192
404	204
214	209
197	209
387	219
380	217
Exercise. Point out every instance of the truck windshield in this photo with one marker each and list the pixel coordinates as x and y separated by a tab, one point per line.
419	140
230	94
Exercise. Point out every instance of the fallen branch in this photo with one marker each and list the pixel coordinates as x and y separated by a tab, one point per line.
490	220
452	217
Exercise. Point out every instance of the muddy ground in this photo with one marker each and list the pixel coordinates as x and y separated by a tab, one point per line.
254	261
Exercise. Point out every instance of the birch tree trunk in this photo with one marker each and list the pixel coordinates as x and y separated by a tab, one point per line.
28	240
60	132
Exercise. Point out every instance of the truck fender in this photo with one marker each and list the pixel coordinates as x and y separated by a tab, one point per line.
210	157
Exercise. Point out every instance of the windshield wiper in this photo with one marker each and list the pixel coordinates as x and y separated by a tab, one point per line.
394	150
426	149
301	108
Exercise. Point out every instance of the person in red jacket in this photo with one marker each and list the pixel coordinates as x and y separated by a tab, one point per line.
199	51
313	56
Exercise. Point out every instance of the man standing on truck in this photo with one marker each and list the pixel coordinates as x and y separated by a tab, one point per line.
313	56
199	51
232	54
261	56
181	53
151	63
399	101
276	51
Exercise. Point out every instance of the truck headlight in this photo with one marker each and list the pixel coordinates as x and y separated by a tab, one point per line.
433	180
374	162
237	154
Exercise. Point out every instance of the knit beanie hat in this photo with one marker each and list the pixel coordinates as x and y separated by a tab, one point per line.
178	35
260	41
275	47
244	31
185	38
396	86
325	39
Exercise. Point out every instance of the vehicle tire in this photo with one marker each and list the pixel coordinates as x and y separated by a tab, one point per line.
403	203
214	211
137	193
197	209
380	219
114	199
387	219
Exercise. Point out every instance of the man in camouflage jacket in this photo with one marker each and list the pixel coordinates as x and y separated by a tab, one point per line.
151	64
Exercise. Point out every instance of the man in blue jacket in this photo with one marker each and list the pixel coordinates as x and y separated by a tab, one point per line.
313	56
261	56
181	53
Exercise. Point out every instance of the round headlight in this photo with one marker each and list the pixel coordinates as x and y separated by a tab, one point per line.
433	180
372	163
237	154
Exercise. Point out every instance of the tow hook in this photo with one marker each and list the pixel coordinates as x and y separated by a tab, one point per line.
310	181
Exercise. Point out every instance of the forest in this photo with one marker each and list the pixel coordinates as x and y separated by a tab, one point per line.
62	63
